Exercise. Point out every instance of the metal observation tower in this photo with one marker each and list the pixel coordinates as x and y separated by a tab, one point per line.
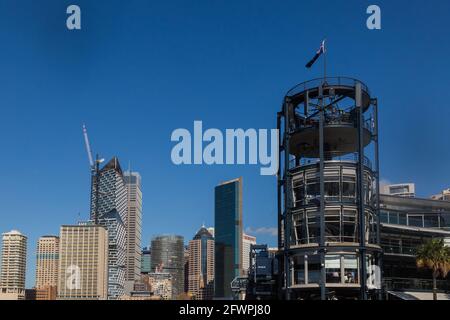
328	187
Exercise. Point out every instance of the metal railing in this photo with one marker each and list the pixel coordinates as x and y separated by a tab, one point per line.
414	284
330	81
349	158
404	250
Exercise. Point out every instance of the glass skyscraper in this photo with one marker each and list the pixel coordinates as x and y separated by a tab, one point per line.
146	258
228	236
168	257
111	211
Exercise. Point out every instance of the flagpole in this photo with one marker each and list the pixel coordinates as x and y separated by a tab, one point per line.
324	61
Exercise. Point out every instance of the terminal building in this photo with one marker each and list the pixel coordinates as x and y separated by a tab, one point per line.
406	223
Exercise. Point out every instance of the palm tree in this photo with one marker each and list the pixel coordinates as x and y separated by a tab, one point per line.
435	256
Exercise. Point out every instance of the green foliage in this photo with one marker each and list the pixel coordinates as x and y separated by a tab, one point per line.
435	256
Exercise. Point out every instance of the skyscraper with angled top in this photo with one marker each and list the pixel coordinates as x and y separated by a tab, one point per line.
109	206
228	236
201	265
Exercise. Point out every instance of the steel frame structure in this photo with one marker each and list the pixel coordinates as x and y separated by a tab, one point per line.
311	133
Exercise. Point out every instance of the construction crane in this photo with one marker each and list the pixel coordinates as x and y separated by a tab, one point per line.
95	169
88	149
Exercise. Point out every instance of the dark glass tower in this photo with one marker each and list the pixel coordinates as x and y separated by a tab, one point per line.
228	236
168	256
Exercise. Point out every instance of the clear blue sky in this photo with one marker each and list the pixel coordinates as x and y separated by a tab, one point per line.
139	69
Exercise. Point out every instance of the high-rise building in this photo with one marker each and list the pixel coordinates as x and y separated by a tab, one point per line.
168	257
201	265
443	196
83	263
134	226
186	269
161	285
109	208
14	259
407	190
146	260
247	241
228	236
47	259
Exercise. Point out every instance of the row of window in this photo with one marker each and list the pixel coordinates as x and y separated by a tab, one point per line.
339	184
426	220
339	269
341	225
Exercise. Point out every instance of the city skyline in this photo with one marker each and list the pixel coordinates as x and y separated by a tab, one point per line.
54	81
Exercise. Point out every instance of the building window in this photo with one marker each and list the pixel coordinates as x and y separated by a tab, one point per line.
299	191
313	269
393	218
350	269
313	226
333	269
384	217
299	270
349	229
349	188
415	221
332	225
313	188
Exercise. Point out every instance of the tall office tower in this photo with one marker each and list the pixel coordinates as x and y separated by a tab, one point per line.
247	241
186	269
201	265
14	259
109	206
146	260
83	263
228	236
134	226
407	190
47	258
168	257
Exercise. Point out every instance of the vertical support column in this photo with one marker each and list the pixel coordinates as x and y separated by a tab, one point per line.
306	104
279	206
377	203
361	191
322	198
286	189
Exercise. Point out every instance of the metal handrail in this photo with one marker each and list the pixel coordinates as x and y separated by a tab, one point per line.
348	158
330	81
414	283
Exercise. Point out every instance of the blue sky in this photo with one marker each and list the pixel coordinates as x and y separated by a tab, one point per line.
140	69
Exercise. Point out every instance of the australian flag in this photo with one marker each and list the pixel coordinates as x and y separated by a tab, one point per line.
318	54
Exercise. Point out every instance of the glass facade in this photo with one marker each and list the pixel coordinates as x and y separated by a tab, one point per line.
341	212
168	257
146	259
228	236
437	220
